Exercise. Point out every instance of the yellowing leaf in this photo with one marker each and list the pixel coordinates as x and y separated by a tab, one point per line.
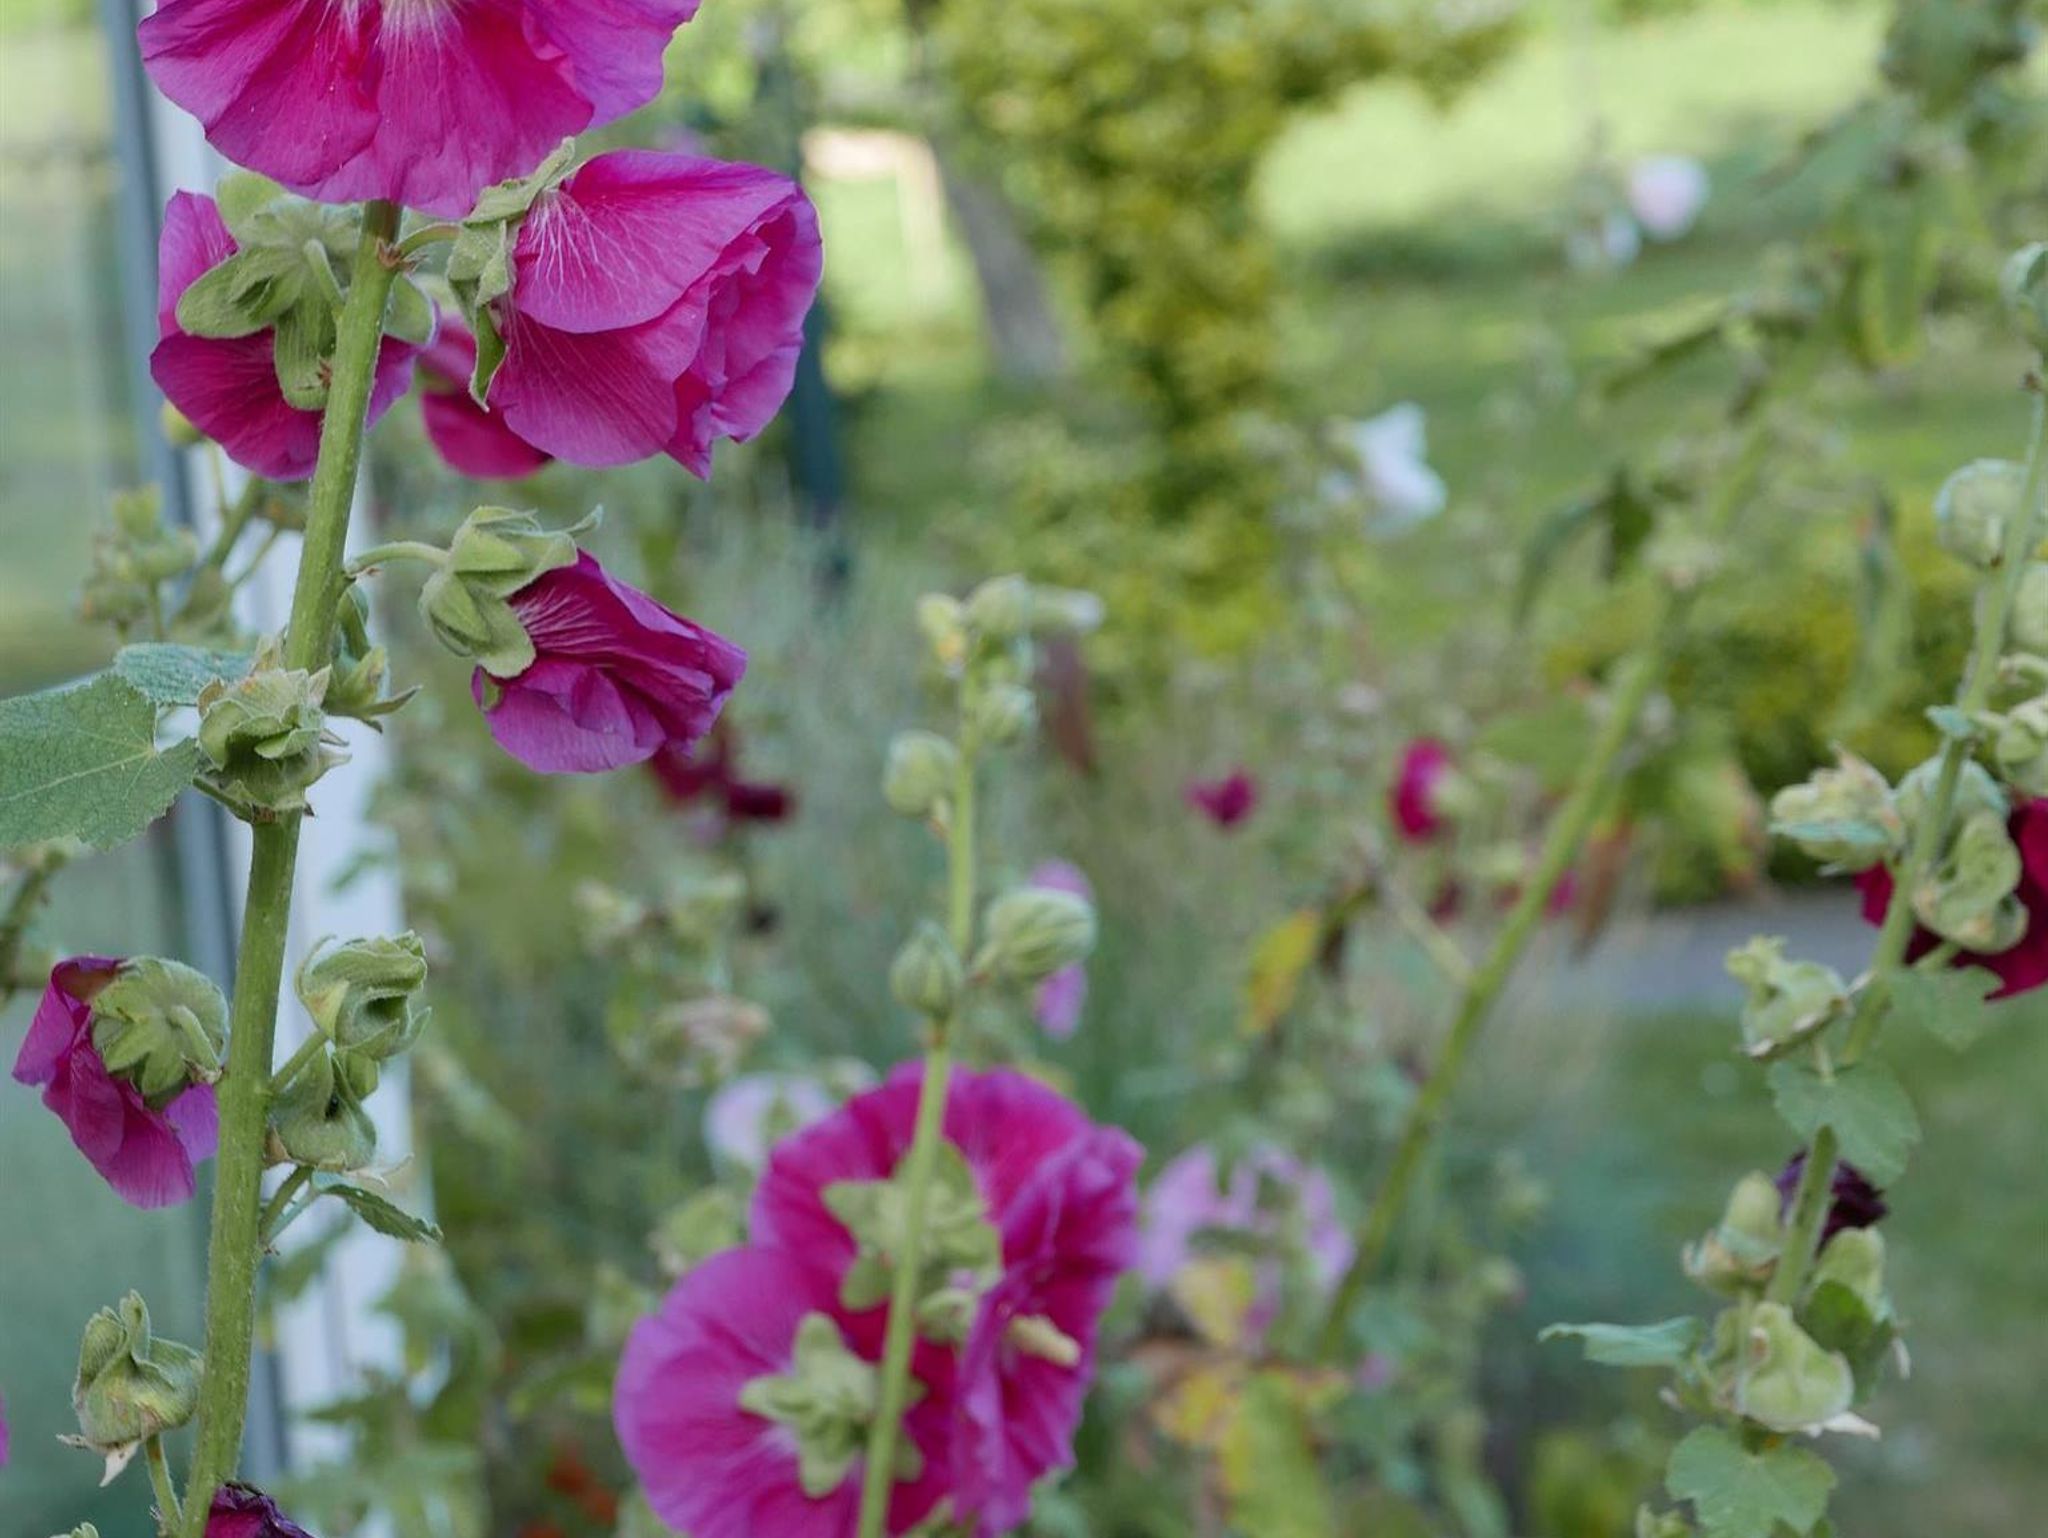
1270	1475
1216	1293
1280	958
1197	1411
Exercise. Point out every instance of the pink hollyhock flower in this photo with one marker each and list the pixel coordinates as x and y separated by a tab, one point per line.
615	676
1190	1198
424	102
2024	967
1227	801
710	771
228	386
1414	801
242	1511
657	305
473	441
712	1467
1058	1001
145	1153
1061	1194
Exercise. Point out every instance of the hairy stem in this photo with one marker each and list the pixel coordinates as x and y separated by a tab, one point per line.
234	1247
879	1479
168	1514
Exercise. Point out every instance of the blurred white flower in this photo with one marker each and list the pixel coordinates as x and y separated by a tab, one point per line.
1666	194
749	1115
1394	470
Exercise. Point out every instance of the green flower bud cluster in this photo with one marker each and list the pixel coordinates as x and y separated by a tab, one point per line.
266	738
962	1252
131	1386
1843	817
927	975
688	1043
1033	932
360	994
495	553
825	1402
161	1026
317	1117
921	775
132	558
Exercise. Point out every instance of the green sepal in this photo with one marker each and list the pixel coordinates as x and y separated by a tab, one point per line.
1789	1001
1666	1344
300	348
130	1384
161	1026
962	1251
246	293
827	1400
496	553
1786	1380
411	315
318	1119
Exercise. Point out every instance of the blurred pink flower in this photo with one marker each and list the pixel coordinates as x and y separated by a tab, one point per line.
657	305
1666	194
1059	1000
715	1469
228	386
473	441
1227	801
146	1153
242	1511
615	677
424	102
1414	802
744	1118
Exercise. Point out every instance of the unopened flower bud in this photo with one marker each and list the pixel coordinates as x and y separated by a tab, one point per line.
1974	508
494	554
1843	817
266	737
1743	1248
1788	1000
161	1026
360	672
2029	626
1005	714
130	1385
922	772
1034	931
319	1119
2021	746
927	974
2025	286
1000	609
360	1071
943	622
359	993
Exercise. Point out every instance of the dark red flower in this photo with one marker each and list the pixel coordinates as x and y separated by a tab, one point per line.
242	1511
710	771
2024	967
1227	801
1856	1202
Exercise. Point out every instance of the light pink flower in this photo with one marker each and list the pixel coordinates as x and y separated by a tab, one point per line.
657	305
1059	1000
715	1470
228	386
1666	193
473	441
615	676
741	1118
424	102
146	1153
1415	802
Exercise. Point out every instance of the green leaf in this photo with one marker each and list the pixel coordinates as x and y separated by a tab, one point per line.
1740	1494
1867	1107
1270	1477
385	1217
1634	1345
82	762
411	316
170	674
1954	1006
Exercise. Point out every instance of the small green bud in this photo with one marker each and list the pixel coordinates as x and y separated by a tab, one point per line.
2021	746
1004	714
1788	1000
360	993
361	672
1843	816
1743	1248
2025	286
926	975
495	553
1787	1381
130	1385
1974	508
266	737
161	1026
1034	931
922	773
2029	627
319	1120
942	621
1000	609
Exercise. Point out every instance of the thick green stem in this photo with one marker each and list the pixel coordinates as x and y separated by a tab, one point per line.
235	1246
1810	1205
1566	837
879	1479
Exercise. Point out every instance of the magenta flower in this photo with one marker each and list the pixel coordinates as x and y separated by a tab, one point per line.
1061	1194
1415	802
146	1153
1058	1001
424	102
615	676
657	305
228	386
473	441
242	1511
1227	801
714	1468
2024	967
710	771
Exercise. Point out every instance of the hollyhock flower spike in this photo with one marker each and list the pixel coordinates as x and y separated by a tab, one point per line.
228	386
742	1405
1227	801
422	102
1058	1001
1415	802
649	303
2023	967
473	441
145	1152
242	1511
